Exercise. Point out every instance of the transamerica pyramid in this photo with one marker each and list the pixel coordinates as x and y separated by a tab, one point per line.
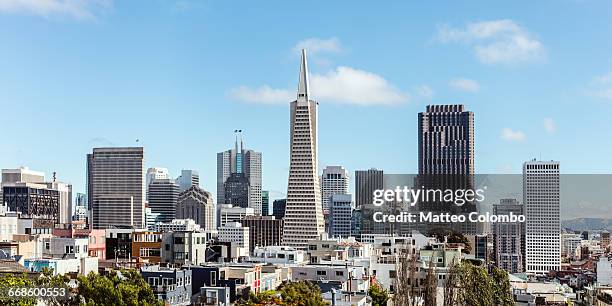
303	219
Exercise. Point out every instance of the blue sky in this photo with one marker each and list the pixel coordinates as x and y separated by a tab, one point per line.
180	76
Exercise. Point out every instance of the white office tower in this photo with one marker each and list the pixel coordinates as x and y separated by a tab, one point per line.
335	180
187	179
542	229
156	173
303	212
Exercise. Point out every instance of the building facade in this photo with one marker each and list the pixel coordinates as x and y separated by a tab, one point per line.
541	195
265	203
198	205
366	181
303	212
335	180
163	197
187	179
237	190
509	237
340	215
263	231
115	187
446	161
246	163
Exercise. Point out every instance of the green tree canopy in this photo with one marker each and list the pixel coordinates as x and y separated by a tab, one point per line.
379	295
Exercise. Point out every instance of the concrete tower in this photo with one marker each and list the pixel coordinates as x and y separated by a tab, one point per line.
304	212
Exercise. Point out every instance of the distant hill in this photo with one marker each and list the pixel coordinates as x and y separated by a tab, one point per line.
582	224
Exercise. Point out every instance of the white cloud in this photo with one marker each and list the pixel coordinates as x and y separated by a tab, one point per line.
511	135
425	91
601	87
464	84
263	94
78	9
317	45
549	125
344	85
496	41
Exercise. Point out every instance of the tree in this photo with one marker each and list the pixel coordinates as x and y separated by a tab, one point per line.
451	286
431	285
301	293
406	280
14	281
263	298
124	288
379	295
502	292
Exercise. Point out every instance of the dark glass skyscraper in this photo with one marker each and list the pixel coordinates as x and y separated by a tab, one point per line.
446	160
446	140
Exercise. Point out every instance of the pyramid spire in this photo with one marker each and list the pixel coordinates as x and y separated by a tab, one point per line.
303	90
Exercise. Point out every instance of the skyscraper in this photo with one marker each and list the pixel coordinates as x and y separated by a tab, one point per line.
509	237
541	191
341	213
446	140
197	204
156	173
26	191
446	161
265	203
242	161
187	179
115	186
303	213
163	196
278	208
366	181
335	180
237	190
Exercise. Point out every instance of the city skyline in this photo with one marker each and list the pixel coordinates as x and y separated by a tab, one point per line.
537	120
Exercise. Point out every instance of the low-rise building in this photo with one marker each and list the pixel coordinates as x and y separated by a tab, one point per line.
279	255
177	225
173	286
61	266
146	246
237	235
118	243
61	247
184	248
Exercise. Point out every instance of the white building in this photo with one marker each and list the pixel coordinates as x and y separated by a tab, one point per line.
150	218
177	225
570	243
279	255
335	180
604	271
60	247
303	212
541	191
238	235
8	224
228	213
183	247
156	173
